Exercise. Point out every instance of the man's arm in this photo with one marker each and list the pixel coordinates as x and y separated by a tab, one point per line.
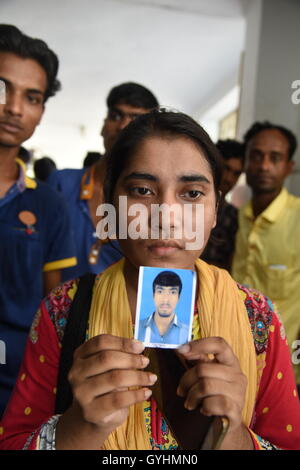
50	280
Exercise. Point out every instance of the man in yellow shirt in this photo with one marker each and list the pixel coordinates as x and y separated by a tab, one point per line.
267	254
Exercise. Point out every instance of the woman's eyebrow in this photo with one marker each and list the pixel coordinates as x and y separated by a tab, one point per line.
141	176
194	178
183	179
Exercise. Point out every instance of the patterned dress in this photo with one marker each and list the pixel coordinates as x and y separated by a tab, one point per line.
29	421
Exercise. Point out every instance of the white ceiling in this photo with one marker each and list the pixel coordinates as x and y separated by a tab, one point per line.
227	8
185	51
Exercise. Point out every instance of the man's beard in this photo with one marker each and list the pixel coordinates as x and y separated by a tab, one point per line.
264	189
261	188
165	315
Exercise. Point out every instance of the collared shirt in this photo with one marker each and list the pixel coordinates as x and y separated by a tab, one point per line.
25	252
267	257
220	247
177	333
68	182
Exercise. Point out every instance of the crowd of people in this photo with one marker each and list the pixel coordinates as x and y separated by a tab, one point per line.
73	376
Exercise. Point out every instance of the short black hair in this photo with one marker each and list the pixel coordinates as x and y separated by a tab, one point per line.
43	168
231	148
14	41
266	125
167	279
159	123
132	94
91	158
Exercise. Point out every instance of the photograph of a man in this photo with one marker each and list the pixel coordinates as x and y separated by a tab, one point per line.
163	328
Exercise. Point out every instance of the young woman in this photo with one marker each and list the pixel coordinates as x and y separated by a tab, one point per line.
240	362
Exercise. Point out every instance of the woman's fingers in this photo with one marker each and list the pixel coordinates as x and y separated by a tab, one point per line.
104	361
105	353
113	406
215	383
112	381
107	377
221	405
209	371
108	342
216	347
205	388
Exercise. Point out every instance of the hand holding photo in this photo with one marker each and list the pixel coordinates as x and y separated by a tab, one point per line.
165	307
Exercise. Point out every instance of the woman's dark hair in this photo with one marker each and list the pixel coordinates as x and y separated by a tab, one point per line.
167	279
266	126
159	123
132	94
14	41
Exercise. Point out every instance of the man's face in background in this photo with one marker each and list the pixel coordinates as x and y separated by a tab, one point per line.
118	117
267	161
166	299
26	84
233	168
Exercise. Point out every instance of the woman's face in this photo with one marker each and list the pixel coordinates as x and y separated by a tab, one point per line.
169	171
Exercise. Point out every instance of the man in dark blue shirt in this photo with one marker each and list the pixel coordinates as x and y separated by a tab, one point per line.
163	326
35	236
83	189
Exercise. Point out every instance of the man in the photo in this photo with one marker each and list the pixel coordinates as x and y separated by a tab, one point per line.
163	325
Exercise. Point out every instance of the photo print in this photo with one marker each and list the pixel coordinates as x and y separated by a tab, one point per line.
165	307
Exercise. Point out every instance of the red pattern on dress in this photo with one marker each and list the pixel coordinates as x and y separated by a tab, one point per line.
277	411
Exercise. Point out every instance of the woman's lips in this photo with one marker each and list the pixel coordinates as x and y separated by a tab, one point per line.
164	249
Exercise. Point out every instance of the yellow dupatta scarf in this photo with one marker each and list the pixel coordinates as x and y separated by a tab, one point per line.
221	313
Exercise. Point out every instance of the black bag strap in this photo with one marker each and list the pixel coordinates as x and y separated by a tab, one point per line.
74	336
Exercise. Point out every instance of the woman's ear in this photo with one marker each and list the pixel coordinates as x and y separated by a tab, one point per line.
219	198
217	208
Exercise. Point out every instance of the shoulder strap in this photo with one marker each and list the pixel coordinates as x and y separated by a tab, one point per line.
74	336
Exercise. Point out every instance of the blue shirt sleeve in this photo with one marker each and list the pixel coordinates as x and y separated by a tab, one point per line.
60	249
53	180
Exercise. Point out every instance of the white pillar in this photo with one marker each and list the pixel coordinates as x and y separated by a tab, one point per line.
271	65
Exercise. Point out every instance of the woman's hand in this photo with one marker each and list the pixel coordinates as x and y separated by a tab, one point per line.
104	370
216	384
